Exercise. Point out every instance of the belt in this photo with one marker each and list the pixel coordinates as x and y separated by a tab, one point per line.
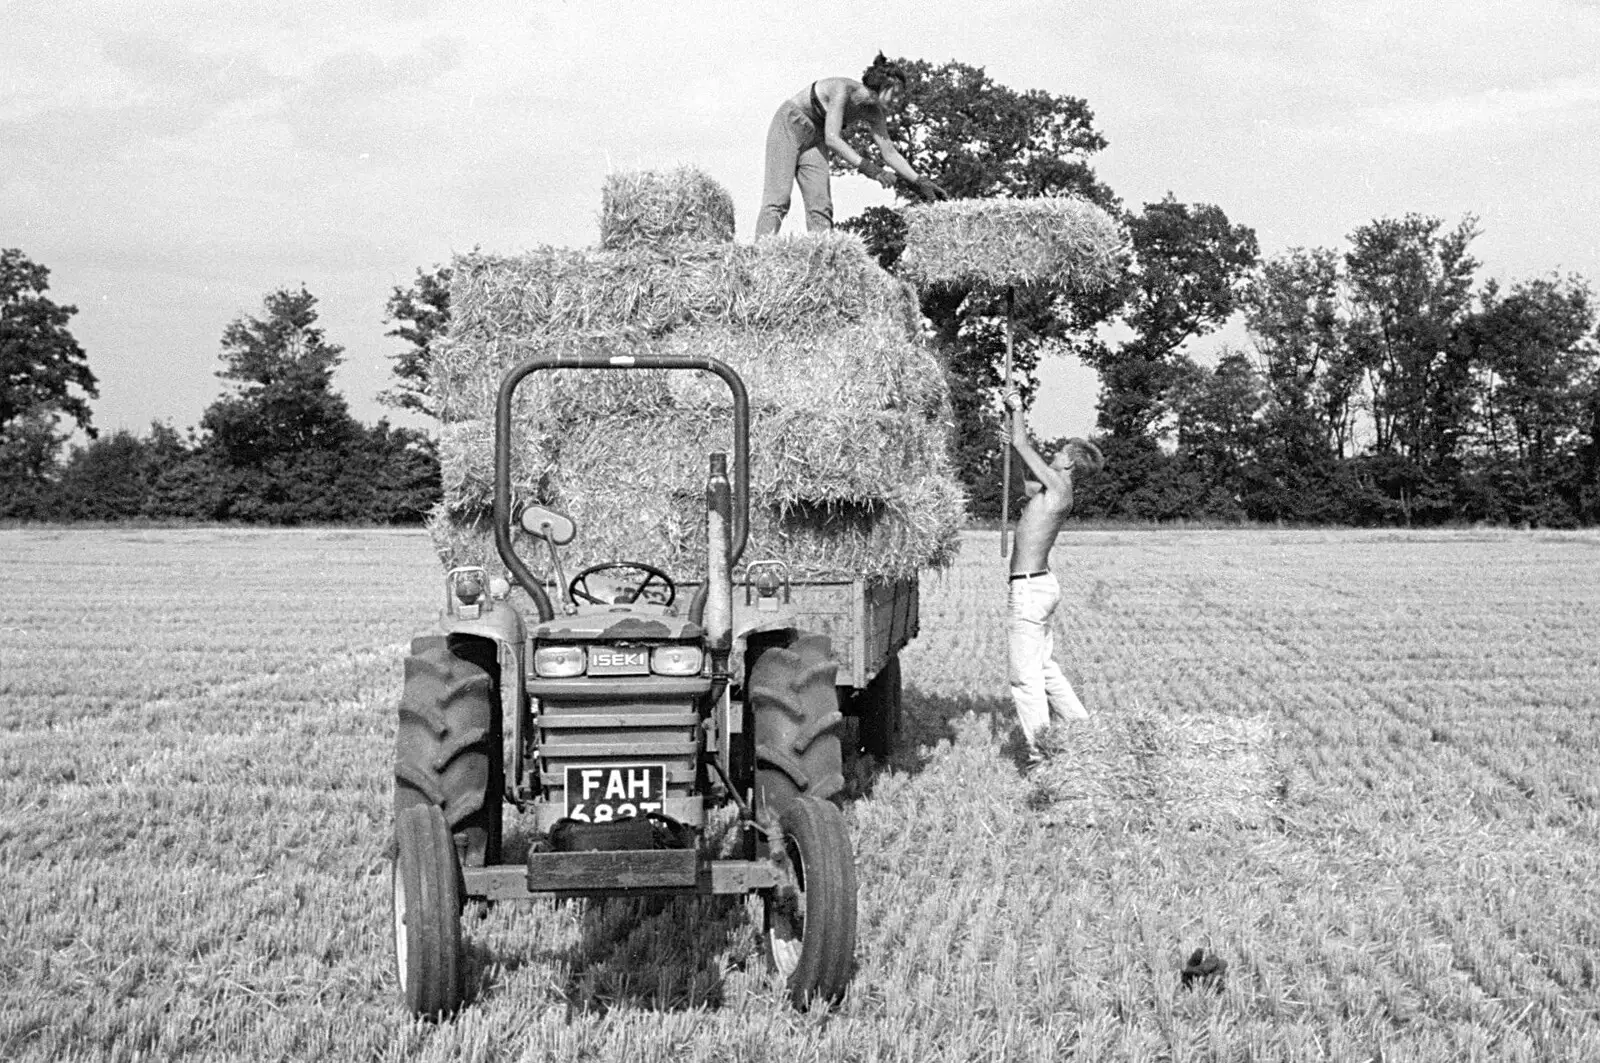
1029	575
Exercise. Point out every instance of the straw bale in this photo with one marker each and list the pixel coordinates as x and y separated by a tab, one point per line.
918	528
1060	241
660	206
838	371
803	284
636	484
1140	768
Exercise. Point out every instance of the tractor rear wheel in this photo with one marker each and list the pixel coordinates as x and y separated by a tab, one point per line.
427	913
878	710
811	914
447	748
797	721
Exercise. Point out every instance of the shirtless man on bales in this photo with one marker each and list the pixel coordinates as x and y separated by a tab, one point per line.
1039	689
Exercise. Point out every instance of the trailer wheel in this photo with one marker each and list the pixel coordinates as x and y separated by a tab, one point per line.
447	746
811	914
878	710
427	913
797	722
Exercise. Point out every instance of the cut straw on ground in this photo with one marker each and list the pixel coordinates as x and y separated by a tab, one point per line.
1129	769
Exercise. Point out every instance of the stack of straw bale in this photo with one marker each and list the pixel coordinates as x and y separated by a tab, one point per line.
1141	769
1061	242
850	414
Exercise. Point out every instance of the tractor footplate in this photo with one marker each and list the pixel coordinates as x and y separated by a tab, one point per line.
618	869
595	874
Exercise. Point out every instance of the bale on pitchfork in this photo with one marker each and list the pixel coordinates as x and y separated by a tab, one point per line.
1063	242
1141	769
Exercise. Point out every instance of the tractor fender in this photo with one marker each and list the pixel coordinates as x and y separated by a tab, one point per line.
749	622
502	625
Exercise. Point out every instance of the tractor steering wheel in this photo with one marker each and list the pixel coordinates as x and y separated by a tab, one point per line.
579	587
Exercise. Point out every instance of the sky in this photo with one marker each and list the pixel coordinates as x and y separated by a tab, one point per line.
173	161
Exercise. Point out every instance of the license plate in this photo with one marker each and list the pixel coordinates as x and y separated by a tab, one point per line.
619	662
602	794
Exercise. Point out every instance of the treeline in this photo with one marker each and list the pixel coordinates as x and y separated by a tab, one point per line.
1383	386
278	447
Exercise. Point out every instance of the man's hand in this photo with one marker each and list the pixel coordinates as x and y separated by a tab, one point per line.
929	191
1017	430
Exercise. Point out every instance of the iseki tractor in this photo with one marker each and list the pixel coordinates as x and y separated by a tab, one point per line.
615	711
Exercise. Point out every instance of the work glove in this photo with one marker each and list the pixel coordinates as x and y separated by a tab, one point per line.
929	191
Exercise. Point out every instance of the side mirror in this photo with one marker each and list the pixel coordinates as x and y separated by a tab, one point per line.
548	524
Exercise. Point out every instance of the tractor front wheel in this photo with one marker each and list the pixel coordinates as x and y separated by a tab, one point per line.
447	745
811	914
427	913
797	720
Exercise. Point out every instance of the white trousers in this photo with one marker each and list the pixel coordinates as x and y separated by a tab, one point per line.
1039	688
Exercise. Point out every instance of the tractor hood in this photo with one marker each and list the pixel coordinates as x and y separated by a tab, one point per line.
619	622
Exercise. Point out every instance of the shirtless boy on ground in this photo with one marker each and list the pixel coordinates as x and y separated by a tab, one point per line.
1039	689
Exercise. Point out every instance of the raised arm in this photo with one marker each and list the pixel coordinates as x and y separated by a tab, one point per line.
1055	481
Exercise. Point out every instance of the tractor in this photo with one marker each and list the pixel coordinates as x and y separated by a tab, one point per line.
616	710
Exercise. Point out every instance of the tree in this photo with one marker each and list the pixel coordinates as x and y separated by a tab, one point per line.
283	435
422	312
1293	310
28	469
105	479
1217	415
1533	355
1190	269
284	404
40	362
978	138
1410	288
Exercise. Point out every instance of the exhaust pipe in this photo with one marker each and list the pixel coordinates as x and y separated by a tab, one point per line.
718	622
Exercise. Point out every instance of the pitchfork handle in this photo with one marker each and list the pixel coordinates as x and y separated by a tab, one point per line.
1005	458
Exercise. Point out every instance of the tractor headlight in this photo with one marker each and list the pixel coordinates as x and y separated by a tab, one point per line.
559	662
677	660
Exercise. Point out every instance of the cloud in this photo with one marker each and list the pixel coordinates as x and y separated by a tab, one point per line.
1547	103
151	90
359	103
162	65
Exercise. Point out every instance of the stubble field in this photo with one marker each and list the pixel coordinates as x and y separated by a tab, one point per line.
196	731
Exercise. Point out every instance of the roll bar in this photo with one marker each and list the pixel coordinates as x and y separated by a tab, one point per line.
589	360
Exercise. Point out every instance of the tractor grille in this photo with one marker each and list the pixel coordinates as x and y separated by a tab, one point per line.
589	722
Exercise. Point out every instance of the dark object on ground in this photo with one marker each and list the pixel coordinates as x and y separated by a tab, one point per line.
1205	970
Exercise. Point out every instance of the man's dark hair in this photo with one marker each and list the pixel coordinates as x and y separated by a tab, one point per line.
881	72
